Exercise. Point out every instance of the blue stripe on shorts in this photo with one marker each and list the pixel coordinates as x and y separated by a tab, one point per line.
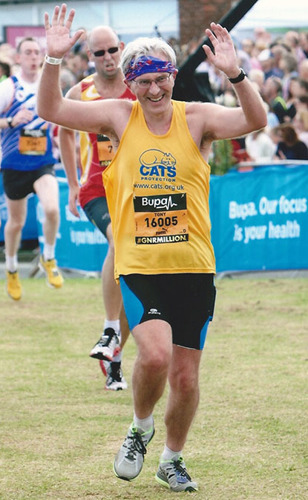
133	306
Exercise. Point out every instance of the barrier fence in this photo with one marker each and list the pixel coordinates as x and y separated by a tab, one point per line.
259	222
260	219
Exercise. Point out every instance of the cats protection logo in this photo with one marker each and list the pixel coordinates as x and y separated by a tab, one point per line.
157	165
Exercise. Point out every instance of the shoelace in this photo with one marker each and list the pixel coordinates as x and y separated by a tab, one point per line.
109	332
136	445
104	342
179	468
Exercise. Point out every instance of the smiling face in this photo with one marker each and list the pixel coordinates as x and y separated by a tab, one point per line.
154	89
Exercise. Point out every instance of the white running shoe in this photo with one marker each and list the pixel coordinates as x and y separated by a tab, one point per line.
107	344
115	380
129	460
173	475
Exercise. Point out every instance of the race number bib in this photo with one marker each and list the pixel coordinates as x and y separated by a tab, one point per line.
161	219
32	142
105	150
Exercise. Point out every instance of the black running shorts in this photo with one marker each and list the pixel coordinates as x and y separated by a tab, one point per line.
18	184
185	301
97	212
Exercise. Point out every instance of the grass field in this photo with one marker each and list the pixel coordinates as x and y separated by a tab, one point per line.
60	430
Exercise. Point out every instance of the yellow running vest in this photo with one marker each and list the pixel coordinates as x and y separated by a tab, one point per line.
157	190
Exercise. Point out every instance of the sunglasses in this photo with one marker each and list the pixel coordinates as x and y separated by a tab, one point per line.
101	53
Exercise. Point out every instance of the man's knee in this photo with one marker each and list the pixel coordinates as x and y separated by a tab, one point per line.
14	224
155	358
52	213
184	379
158	362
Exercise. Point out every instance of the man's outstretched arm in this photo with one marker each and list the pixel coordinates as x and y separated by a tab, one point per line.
51	104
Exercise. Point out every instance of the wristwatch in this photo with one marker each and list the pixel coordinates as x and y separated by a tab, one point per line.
239	78
9	121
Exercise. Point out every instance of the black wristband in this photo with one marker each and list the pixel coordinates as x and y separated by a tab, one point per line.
239	78
9	121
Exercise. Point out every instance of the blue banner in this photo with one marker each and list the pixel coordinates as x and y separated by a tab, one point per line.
260	219
259	222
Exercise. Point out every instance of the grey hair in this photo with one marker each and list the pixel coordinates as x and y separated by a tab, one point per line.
143	46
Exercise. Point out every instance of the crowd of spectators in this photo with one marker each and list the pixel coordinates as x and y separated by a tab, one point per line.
278	66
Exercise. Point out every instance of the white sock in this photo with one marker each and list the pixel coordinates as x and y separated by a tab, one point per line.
115	324
11	263
144	424
168	455
49	251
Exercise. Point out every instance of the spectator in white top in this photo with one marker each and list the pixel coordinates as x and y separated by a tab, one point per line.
260	146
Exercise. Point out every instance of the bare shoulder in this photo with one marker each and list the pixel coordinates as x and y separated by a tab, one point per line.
199	116
116	113
124	109
74	92
118	107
